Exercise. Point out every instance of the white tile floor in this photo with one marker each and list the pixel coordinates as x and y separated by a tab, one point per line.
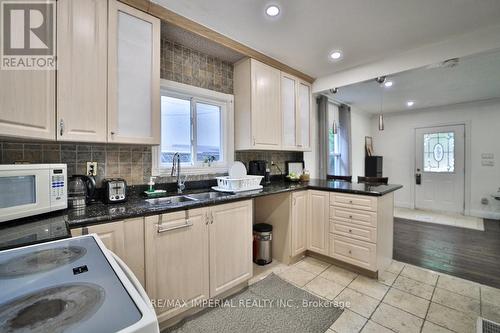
404	299
455	220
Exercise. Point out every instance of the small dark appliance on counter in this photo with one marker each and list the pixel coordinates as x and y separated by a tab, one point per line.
373	166
115	190
259	168
81	191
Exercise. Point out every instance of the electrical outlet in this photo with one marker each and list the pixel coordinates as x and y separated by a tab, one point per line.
91	168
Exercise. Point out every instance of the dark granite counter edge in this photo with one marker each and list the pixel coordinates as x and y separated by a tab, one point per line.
163	209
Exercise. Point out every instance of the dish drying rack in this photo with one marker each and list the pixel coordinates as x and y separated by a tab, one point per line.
243	184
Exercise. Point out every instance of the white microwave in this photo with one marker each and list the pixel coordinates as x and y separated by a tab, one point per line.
32	189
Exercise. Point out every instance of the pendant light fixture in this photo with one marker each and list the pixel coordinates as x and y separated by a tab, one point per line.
381	122
381	116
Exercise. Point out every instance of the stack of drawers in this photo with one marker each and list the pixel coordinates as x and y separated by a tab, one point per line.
353	229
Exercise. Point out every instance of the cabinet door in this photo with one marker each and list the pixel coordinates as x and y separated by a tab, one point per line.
134	76
126	240
305	105
82	29
299	223
230	245
177	260
289	111
318	228
266	113
27	104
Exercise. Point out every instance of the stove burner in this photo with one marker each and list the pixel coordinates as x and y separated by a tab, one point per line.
40	261
52	309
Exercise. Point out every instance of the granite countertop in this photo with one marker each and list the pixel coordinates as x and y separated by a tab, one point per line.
136	206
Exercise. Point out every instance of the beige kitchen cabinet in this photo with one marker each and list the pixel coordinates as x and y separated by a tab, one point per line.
230	245
133	76
28	104
361	230
318	222
299	222
124	238
82	30
257	106
196	254
304	105
177	260
296	113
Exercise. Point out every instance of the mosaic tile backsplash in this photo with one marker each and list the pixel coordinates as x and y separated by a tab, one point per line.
181	64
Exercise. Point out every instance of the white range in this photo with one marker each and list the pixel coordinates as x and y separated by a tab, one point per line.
71	285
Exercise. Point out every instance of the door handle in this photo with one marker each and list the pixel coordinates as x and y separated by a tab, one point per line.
418	178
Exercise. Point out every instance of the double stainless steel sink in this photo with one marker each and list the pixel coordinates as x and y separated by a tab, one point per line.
187	197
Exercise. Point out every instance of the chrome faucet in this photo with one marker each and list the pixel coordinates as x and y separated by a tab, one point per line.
176	169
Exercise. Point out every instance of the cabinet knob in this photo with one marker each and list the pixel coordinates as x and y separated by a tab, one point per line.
350	216
112	133
350	230
350	252
350	201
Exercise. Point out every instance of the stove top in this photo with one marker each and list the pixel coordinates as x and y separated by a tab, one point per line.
62	286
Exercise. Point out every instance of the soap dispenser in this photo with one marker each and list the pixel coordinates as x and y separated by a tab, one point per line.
151	183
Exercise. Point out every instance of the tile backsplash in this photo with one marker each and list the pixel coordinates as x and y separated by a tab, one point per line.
131	162
278	157
181	64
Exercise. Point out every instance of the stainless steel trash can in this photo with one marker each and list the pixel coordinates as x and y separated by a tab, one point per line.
262	243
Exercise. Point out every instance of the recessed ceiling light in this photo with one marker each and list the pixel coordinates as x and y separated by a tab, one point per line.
388	84
336	55
410	103
272	10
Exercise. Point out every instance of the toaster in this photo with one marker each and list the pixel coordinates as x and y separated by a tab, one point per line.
115	190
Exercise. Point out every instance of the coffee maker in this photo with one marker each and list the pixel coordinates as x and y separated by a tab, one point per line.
260	168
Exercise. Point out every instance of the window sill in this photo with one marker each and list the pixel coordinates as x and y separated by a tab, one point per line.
166	172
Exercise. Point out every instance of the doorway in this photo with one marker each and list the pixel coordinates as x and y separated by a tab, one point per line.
440	168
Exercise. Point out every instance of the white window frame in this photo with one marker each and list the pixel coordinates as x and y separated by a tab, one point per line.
196	94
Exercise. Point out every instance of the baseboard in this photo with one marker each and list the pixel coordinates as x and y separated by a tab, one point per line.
485	214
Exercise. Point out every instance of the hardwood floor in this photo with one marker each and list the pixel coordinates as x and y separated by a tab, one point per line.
470	254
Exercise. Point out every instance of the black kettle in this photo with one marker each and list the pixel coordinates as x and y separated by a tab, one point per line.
90	186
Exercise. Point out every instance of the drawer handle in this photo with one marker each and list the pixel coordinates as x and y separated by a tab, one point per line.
164	229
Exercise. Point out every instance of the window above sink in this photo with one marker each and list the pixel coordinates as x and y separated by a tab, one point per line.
198	124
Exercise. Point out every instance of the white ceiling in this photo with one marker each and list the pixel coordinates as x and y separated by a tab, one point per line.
306	31
475	78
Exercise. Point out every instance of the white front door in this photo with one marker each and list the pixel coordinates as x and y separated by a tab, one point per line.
440	170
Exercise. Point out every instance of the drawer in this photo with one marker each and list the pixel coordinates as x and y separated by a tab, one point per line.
353	201
355	252
351	216
353	231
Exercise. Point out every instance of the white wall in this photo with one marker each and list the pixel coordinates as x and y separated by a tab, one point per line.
360	127
397	144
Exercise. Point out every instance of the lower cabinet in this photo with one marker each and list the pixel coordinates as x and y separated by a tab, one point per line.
124	238
317	235
177	260
196	254
299	222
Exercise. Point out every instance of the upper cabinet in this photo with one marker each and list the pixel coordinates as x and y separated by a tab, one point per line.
257	106
133	76
82	30
296	113
272	108
28	104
